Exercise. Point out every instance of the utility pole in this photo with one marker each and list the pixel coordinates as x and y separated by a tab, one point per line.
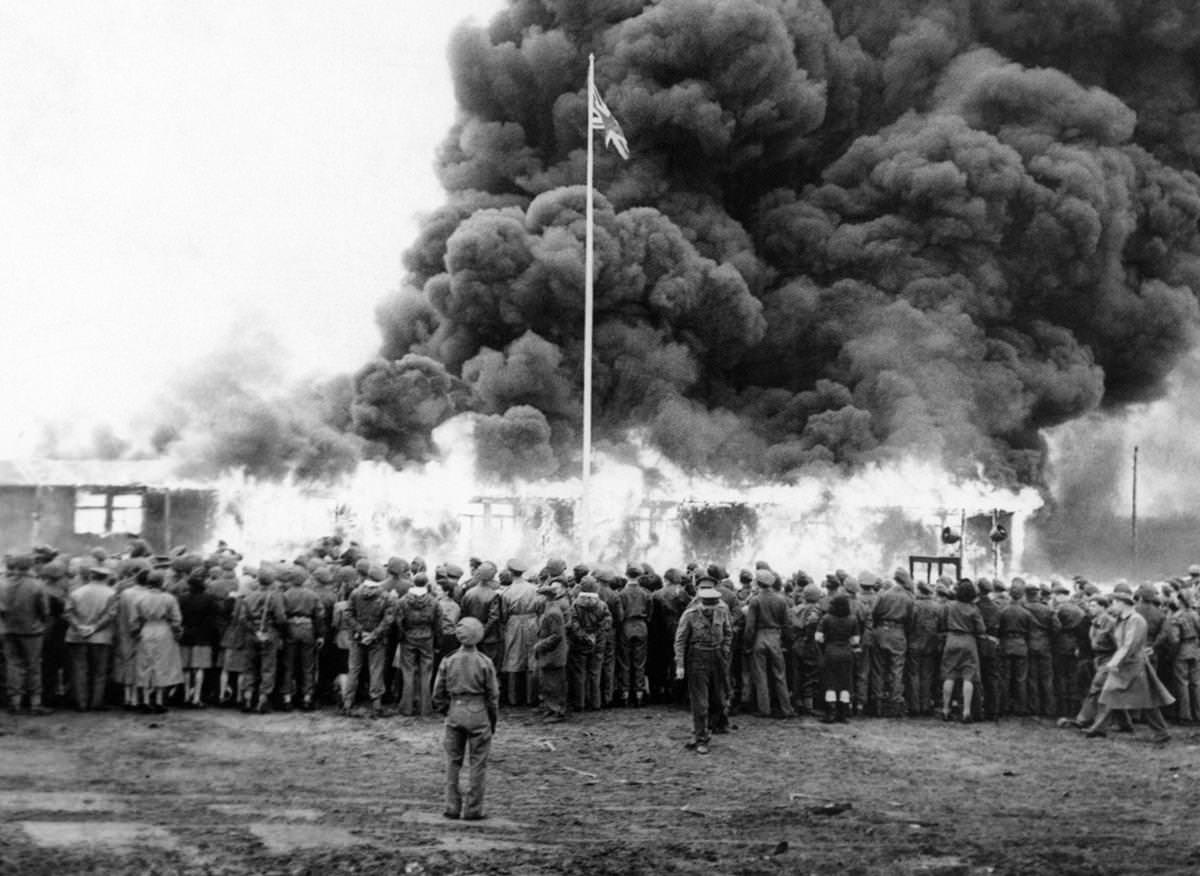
1133	538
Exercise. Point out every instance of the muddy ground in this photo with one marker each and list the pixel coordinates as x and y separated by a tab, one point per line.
215	791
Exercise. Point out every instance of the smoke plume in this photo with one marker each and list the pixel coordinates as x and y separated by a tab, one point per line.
234	411
847	231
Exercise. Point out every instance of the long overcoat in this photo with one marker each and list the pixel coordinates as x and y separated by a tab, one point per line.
1132	683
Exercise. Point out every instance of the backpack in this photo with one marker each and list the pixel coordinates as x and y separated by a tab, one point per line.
418	613
585	628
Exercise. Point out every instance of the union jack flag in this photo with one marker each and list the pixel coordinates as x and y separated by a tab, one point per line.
602	120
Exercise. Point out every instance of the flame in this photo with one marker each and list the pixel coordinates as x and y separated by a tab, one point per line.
446	511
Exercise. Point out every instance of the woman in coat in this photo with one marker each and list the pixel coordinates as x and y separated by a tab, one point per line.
1130	682
157	627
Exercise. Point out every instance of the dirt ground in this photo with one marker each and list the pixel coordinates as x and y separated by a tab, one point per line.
215	791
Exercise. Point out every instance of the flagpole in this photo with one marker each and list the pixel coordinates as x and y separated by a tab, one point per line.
585	498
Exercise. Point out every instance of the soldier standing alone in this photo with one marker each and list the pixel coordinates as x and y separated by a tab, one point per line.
702	646
467	691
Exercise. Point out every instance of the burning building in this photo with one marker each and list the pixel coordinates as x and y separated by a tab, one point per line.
75	505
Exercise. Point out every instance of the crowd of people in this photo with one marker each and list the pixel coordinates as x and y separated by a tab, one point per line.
335	628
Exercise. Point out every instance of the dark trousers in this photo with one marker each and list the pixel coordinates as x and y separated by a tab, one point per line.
584	667
608	668
1014	676
989	686
1040	681
552	687
23	666
300	652
920	668
631	666
262	657
770	680
865	683
706	692
1186	674
1066	691
416	665
89	673
56	662
889	671
473	747
373	655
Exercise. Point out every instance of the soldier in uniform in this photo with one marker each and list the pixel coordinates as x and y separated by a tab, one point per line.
702	644
417	623
305	638
1183	632
261	620
368	617
670	602
587	631
864	656
477	602
924	650
550	651
1014	626
1042	631
767	618
467	692
449	612
605	578
1065	649
892	619
25	612
636	608
988	648
55	658
519	607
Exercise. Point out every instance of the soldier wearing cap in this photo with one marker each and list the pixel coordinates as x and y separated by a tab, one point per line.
924	651
605	581
988	648
767	619
1183	646
368	618
670	602
91	614
550	651
702	645
449	612
305	613
1130	682
481	602
1015	622
864	657
1071	615
56	663
632	639
587	631
519	608
417	623
261	620
1044	626
892	619
467	692
25	612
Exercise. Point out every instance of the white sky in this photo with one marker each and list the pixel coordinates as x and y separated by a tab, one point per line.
169	170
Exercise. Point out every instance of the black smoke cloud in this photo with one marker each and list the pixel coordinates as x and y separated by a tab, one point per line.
233	411
847	230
